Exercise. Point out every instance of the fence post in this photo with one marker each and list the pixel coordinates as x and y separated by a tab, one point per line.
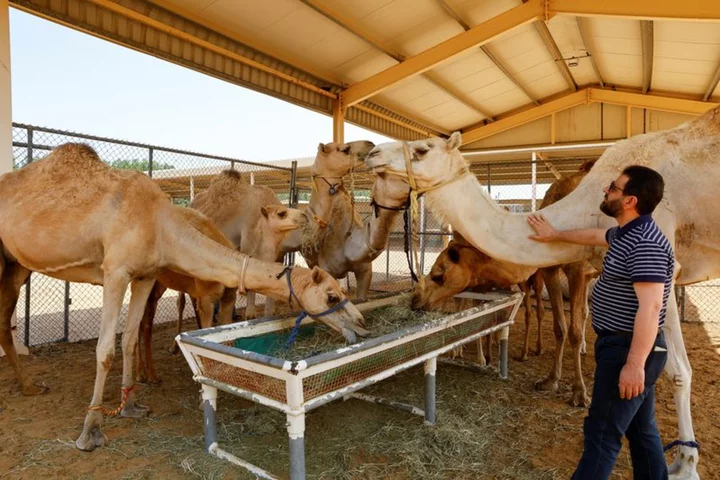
66	329
292	203
27	311
29	145
489	182
150	161
682	304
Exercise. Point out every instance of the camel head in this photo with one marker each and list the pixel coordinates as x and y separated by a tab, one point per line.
283	219
319	292
433	160
451	274
338	159
390	190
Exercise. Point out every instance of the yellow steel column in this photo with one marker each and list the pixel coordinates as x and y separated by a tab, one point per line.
6	157
338	122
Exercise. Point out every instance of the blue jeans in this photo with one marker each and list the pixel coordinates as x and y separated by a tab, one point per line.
610	417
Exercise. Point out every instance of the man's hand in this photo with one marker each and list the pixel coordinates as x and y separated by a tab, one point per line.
544	231
632	381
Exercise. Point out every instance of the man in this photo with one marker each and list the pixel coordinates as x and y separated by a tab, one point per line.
628	311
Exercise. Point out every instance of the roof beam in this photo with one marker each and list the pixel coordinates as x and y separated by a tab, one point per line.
486	50
713	85
564	102
351	26
478	35
640	9
582	26
549	42
592	95
648	41
651	102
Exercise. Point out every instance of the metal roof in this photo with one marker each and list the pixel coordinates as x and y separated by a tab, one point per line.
410	68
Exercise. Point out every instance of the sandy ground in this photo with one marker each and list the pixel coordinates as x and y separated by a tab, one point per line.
487	428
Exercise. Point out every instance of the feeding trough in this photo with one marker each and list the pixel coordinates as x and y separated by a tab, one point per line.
249	359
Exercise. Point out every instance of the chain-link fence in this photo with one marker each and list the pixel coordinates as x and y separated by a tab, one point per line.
52	310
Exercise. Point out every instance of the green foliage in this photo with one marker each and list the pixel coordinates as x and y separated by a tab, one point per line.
140	165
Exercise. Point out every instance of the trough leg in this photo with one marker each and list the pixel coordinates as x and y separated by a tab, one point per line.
504	334
430	369
209	396
296	432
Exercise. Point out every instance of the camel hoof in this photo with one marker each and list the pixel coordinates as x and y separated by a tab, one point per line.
522	358
580	399
539	351
684	466
134	410
91	440
547	385
35	389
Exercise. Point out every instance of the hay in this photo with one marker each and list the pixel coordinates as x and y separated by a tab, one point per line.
381	321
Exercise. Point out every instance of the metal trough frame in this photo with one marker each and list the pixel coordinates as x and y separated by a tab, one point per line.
207	344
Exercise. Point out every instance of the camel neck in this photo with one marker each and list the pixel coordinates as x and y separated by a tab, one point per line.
504	235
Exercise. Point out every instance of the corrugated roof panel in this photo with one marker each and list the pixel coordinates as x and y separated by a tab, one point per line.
364	66
509	100
463	66
566	33
475	12
619	50
249	15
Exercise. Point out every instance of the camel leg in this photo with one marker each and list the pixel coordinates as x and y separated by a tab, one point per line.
480	352
269	307
552	280
114	286
488	348
174	349
576	283
140	291
148	374
363	277
227	306
525	287
679	370
193	302
538	284
205	309
13	277
250	306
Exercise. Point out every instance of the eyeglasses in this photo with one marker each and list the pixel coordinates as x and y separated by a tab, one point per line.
614	187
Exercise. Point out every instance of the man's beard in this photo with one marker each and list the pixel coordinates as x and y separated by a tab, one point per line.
611	208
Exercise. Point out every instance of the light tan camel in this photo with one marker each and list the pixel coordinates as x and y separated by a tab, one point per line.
241	211
116	228
686	156
347	244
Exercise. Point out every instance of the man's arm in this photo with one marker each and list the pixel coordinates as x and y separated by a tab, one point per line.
545	232
647	319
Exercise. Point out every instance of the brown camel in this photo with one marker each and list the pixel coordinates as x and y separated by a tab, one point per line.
348	244
116	228
253	216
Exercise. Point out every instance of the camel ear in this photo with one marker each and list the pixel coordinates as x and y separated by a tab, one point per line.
454	255
322	148
454	141
317	275
264	211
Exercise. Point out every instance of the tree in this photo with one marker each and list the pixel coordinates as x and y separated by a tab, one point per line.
140	165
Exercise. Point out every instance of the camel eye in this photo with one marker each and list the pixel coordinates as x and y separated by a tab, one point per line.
422	149
282	214
437	279
332	298
346	149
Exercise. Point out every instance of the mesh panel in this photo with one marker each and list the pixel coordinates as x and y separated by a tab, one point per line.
350	373
247	380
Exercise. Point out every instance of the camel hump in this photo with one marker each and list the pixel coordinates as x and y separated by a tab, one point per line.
585	167
231	174
76	151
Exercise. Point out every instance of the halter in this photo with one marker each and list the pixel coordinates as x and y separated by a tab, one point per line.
304	313
335	188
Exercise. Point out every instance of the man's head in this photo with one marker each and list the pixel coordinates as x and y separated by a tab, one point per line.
637	189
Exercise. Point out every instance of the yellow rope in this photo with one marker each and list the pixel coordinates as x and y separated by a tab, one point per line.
123	402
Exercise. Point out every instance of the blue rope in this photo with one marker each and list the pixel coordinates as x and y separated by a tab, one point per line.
683	443
295	330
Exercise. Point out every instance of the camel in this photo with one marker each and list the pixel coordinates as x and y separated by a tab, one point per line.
462	266
348	245
686	158
116	228
259	224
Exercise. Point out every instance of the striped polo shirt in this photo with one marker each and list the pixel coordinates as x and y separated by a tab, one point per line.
639	252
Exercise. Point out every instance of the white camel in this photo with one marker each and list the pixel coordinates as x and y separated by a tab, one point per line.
686	156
